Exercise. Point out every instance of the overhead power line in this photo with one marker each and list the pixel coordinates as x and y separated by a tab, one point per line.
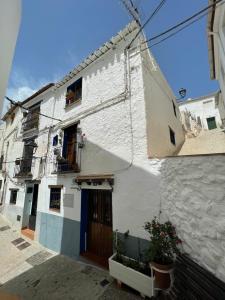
20	105
185	21
148	20
176	32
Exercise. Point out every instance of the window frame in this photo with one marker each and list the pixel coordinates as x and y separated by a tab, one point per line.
174	109
11	196
172	136
73	89
59	192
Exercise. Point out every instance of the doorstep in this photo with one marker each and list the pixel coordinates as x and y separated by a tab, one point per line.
28	233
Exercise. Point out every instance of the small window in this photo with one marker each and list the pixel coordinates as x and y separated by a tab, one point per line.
0	184
13	196
55	199
172	136
174	109
55	140
74	92
1	162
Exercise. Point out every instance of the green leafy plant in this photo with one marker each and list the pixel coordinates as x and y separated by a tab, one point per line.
163	242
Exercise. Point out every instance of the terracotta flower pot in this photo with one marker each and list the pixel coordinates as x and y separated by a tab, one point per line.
162	276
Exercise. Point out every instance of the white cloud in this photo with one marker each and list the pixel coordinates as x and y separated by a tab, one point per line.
21	87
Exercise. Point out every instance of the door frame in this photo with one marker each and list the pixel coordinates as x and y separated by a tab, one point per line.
85	216
28	204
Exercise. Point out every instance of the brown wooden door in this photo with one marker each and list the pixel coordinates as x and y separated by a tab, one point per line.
99	237
71	146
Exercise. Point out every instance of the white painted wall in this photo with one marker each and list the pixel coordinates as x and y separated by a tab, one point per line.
193	195
160	115
10	13
203	108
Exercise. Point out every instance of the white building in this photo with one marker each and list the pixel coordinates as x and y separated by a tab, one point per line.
10	13
202	111
84	171
216	43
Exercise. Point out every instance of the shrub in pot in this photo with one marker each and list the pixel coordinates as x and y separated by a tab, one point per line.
163	249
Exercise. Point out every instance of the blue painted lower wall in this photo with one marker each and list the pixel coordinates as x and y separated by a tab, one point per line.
59	234
63	236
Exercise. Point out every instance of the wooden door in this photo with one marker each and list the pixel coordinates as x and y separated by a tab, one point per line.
211	123
99	237
71	146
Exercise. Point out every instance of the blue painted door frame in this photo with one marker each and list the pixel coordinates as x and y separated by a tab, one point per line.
84	220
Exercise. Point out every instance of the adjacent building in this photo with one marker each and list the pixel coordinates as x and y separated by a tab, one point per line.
78	155
10	14
216	43
202	113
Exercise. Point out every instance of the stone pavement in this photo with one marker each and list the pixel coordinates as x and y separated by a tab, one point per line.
33	272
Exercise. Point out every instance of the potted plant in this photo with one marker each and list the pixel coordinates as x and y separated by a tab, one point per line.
162	251
131	272
70	96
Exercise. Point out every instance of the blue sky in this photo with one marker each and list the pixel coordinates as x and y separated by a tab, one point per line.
55	35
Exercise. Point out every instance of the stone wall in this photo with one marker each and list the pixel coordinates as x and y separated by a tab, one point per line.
193	198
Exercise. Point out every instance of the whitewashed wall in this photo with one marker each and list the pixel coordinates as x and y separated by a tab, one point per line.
159	100
193	198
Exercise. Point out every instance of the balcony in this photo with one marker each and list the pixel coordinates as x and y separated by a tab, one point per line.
31	123
23	168
65	167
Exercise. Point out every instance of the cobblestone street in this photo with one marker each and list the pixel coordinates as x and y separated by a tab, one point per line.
29	271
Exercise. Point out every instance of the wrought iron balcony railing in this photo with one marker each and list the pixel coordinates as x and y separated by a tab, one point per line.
23	168
65	167
31	123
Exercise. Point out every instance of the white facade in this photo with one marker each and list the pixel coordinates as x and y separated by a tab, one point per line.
115	115
216	44
203	110
10	14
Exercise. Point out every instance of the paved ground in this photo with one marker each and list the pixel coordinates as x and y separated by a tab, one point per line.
211	141
33	272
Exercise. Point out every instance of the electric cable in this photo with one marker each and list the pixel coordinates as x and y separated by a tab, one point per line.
176	32
185	21
38	113
147	21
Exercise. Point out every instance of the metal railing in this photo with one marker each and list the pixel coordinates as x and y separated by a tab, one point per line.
23	168
65	166
31	123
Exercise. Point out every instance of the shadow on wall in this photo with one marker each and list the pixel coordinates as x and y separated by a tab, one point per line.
193	194
135	200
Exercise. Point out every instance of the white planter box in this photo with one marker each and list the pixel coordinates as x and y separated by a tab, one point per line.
138	281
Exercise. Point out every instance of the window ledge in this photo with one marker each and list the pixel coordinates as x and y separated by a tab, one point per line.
54	210
66	172
75	103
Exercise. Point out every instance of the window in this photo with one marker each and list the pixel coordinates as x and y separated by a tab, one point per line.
0	184
55	140
172	136
174	109
74	92
55	198
32	118
1	162
69	161
13	196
